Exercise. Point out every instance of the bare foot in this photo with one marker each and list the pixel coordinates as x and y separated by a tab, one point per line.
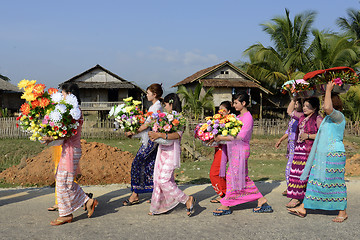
293	203
341	217
53	208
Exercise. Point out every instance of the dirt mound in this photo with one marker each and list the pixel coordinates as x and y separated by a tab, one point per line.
99	164
352	167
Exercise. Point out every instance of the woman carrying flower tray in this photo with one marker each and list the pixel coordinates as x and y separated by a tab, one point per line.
166	194
70	195
239	187
142	168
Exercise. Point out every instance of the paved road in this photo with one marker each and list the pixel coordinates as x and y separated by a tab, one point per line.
23	215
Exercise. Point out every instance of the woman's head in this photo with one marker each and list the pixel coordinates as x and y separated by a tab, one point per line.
225	106
240	100
71	88
298	105
336	102
172	103
311	105
154	91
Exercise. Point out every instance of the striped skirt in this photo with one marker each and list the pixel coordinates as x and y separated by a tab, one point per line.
296	187
69	194
331	194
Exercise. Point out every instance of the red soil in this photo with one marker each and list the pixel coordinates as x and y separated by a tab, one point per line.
99	164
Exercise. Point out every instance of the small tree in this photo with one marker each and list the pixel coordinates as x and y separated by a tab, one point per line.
194	102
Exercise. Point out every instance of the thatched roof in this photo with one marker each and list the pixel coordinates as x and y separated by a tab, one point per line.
229	82
121	83
6	86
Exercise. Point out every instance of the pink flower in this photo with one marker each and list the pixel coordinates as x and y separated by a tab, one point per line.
47	117
167	128
45	121
161	115
207	136
155	127
52	124
337	81
200	133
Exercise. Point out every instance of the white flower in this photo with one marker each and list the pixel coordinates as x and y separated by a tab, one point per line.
119	109
61	108
56	97
75	113
72	100
112	110
55	116
170	117
64	128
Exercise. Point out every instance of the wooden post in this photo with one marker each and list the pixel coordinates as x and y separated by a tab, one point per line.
261	107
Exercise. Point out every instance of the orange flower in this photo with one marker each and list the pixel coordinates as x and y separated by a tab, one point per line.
175	122
52	91
25	109
39	89
217	116
44	102
34	104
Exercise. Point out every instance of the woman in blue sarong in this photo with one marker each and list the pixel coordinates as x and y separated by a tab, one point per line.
326	187
142	167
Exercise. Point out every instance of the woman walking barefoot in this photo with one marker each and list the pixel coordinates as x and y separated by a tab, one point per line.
218	182
142	168
166	194
326	188
70	196
309	123
239	187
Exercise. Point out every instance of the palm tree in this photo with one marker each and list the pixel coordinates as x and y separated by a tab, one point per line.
194	102
351	25
275	65
330	50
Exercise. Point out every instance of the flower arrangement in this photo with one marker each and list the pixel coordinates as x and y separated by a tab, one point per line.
47	113
338	77
167	122
128	116
218	124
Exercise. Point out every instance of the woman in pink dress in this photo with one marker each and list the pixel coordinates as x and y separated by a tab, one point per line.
239	187
166	194
69	194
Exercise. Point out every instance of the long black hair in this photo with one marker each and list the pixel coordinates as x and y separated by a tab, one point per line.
227	105
241	96
173	99
72	88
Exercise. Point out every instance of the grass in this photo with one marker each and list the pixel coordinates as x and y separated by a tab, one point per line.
265	162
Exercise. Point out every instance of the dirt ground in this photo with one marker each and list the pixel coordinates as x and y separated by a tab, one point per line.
99	164
352	167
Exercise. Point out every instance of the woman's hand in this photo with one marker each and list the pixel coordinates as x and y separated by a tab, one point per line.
330	86
129	134
303	137
277	145
46	140
154	135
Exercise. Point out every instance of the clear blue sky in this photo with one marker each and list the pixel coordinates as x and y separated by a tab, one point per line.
142	41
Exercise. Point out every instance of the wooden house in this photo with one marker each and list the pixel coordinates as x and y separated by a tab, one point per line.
101	89
227	79
10	96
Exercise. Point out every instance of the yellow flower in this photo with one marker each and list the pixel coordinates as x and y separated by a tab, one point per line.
55	137
32	138
232	119
128	109
128	99
204	126
23	84
233	132
28	96
224	132
227	125
135	102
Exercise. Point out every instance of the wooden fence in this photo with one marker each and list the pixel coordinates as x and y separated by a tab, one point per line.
105	129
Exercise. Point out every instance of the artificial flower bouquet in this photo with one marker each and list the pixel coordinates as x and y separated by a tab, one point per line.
128	116
47	113
166	123
218	124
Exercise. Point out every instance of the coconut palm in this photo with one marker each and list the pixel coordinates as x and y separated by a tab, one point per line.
351	25
283	62
194	102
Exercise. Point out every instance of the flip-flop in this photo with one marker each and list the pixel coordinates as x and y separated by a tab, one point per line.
215	200
91	211
222	212
296	213
127	202
265	208
61	221
190	211
342	219
53	209
293	205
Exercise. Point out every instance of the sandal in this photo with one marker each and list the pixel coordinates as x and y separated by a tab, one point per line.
190	211
92	208
265	208
53	208
127	202
284	193
292	203
222	212
61	220
90	195
215	200
296	213
341	219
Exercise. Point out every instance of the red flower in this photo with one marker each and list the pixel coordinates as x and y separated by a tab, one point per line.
56	128
18	118
64	132
34	104
74	131
73	121
25	109
44	102
52	90
17	125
